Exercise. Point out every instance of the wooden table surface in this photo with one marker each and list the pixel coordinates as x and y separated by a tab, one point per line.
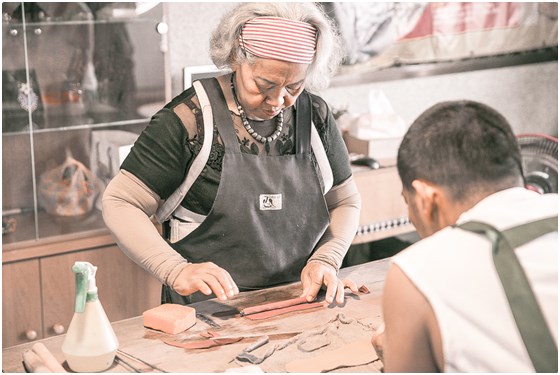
147	344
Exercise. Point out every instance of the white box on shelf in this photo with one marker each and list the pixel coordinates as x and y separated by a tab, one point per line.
378	148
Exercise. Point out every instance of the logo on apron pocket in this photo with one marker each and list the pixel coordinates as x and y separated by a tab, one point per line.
270	202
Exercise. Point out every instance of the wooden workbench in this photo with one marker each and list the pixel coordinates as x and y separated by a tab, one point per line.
147	344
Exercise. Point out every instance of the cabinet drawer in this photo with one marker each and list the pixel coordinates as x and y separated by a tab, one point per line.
21	303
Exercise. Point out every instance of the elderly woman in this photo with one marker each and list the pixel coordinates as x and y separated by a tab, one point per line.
247	171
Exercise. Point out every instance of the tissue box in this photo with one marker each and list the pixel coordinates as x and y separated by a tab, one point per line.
378	148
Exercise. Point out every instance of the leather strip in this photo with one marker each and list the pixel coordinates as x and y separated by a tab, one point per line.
285	310
273	306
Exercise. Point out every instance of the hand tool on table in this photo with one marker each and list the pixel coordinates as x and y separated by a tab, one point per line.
206	319
118	359
129	356
246	356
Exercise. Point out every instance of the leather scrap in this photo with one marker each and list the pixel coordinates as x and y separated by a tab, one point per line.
363	289
270	313
354	354
203	344
253	359
209	334
349	283
340	330
313	342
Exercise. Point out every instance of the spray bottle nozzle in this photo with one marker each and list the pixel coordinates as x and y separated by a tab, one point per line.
85	284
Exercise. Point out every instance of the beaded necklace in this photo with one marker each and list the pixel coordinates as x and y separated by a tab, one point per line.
250	130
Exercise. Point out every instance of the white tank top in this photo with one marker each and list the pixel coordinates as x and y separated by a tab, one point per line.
478	331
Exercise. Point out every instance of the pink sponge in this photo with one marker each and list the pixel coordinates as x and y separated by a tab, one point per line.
170	318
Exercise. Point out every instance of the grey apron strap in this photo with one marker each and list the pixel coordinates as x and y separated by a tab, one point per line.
303	133
166	209
528	316
222	118
322	160
312	138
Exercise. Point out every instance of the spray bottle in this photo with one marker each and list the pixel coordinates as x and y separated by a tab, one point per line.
90	343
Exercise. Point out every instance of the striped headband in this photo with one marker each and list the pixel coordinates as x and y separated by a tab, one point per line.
280	39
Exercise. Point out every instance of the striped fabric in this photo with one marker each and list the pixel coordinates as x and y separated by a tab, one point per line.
279	39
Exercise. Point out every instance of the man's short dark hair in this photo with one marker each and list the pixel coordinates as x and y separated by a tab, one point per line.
463	146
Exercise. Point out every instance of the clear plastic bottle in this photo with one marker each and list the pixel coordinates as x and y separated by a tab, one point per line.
90	344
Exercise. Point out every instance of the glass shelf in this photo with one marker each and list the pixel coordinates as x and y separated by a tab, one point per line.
80	22
51	226
44	14
82	83
92	125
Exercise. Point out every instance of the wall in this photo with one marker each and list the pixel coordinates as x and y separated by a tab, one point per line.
190	27
147	56
527	95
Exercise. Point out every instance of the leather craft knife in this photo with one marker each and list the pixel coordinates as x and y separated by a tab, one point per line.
208	321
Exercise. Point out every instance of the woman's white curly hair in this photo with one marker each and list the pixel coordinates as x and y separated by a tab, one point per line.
226	53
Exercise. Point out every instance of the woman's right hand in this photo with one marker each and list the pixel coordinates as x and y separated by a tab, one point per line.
206	278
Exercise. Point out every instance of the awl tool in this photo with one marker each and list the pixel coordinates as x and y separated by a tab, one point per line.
208	321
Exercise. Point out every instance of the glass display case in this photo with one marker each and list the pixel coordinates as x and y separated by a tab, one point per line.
80	81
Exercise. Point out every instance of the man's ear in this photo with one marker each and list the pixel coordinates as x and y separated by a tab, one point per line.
432	203
426	195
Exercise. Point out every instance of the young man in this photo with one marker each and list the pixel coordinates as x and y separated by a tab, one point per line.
446	306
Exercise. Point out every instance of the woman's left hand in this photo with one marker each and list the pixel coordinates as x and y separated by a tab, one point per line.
315	274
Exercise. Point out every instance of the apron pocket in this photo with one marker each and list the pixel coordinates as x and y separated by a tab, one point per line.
180	229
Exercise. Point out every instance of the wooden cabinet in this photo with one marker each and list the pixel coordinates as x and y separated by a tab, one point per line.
21	303
38	294
384	212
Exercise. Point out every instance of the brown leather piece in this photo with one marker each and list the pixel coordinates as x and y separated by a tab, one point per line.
285	310
273	306
363	289
350	355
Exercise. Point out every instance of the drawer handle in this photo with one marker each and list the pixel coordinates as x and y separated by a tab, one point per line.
31	334
58	328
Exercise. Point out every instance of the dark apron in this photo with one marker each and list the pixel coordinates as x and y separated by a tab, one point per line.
269	211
